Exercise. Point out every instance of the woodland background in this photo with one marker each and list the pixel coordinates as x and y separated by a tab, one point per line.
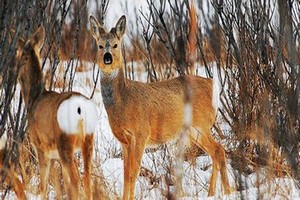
254	44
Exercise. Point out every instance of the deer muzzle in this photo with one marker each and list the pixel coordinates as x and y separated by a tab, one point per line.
107	58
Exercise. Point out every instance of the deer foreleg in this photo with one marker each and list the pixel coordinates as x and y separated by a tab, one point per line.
87	152
44	163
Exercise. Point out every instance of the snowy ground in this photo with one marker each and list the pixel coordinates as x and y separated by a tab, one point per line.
195	180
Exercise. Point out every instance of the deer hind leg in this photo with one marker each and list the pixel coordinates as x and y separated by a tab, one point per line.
224	177
132	152
71	179
87	152
205	141
18	188
13	180
70	171
44	163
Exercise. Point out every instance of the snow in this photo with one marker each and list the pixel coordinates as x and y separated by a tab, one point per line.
195	178
3	140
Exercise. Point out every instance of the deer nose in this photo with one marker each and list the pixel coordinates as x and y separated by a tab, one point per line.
107	58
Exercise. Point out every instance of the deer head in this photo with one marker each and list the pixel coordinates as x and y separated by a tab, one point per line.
30	74
109	57
26	49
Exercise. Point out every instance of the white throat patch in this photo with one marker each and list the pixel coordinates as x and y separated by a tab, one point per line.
111	75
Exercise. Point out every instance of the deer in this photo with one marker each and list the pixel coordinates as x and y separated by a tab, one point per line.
58	123
147	114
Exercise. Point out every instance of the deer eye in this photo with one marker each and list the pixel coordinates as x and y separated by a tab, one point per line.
115	46
100	47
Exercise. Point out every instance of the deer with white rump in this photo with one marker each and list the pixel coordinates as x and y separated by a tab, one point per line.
146	114
58	123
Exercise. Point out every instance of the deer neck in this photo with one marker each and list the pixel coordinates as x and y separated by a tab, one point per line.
31	81
111	87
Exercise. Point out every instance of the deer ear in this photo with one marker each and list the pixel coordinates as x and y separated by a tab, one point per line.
20	46
121	26
21	42
38	37
96	28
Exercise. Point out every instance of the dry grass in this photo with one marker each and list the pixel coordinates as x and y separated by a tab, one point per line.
259	102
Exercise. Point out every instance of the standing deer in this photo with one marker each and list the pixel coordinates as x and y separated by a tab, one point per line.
146	114
58	123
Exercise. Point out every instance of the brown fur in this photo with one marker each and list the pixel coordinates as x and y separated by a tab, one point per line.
43	130
142	114
11	178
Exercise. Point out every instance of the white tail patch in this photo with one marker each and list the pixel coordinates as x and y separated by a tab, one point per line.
216	89
3	141
77	115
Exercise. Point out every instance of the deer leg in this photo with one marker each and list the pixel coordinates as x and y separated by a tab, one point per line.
224	176
126	162
205	141
72	178
18	188
87	152
133	153
135	158
66	153
13	180
44	163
